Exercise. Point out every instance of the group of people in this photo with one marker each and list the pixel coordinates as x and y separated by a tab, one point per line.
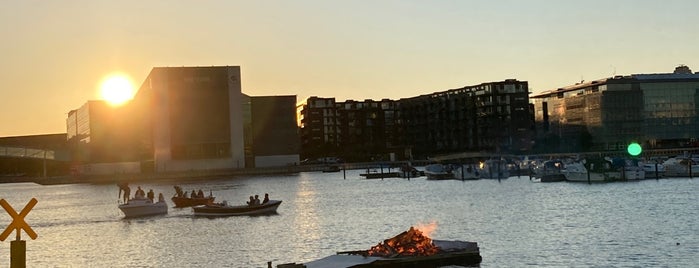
179	193
140	194
255	200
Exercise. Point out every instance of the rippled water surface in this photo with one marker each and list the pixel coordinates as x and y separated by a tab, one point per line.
516	222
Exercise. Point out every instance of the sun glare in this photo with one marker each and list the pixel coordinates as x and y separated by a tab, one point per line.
116	89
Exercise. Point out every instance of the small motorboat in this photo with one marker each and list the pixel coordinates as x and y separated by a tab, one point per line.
181	200
140	206
223	209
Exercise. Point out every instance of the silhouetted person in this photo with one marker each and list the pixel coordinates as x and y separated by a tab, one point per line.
264	201
140	193
257	199
151	195
252	201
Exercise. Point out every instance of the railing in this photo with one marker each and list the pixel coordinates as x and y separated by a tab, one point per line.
20	152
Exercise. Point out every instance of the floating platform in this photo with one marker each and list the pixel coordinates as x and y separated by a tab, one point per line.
460	253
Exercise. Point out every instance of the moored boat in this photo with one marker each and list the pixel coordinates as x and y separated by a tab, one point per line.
140	206
600	171
438	172
223	209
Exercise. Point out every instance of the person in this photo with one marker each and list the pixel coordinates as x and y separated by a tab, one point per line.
257	199
161	198
140	193
185	194
127	193
252	201
151	195
200	194
264	201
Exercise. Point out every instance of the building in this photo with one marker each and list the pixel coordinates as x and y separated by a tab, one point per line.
185	119
273	132
97	137
490	117
353	130
656	110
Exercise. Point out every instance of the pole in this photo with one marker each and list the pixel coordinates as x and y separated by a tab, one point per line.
588	174
656	171
344	172
18	257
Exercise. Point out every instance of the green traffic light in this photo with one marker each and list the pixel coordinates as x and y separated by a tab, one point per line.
634	149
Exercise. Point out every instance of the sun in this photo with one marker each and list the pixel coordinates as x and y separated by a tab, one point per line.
116	89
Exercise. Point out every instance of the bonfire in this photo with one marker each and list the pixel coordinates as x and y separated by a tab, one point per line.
409	243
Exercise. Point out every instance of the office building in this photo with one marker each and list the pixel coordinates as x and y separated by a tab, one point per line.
656	110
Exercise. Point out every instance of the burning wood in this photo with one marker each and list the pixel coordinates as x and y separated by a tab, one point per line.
409	243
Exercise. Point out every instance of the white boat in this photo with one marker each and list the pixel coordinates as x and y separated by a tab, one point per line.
438	172
465	172
494	169
681	167
550	171
599	172
141	206
653	169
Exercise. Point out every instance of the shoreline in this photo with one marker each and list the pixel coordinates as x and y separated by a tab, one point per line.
189	175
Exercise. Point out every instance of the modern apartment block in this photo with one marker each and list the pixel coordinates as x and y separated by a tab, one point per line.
491	117
657	110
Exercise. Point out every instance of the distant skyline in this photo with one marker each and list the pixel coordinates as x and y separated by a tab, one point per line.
55	53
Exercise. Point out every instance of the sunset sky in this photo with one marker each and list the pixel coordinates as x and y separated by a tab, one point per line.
54	54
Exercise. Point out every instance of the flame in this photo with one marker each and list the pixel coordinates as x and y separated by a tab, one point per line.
427	228
409	243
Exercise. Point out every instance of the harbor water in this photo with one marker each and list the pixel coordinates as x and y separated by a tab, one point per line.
516	222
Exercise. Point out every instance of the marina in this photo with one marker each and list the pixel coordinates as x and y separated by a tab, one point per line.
515	222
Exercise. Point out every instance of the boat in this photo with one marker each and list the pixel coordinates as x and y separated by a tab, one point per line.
550	171
465	172
653	169
224	209
632	170
681	166
600	171
438	172
140	206
330	169
494	169
181	200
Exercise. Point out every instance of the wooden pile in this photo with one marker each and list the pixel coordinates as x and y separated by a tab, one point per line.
408	243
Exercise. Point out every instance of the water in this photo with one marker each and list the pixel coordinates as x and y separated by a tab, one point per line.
516	222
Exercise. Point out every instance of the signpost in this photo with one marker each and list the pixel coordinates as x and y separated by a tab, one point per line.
18	246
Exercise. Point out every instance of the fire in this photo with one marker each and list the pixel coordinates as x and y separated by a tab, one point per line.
409	243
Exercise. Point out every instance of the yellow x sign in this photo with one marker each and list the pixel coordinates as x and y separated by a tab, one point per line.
18	219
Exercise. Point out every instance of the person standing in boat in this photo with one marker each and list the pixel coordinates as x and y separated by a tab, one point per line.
127	191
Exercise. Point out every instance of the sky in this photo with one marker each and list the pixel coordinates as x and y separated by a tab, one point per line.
54	54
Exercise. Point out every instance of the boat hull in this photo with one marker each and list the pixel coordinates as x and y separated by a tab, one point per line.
224	210
139	209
